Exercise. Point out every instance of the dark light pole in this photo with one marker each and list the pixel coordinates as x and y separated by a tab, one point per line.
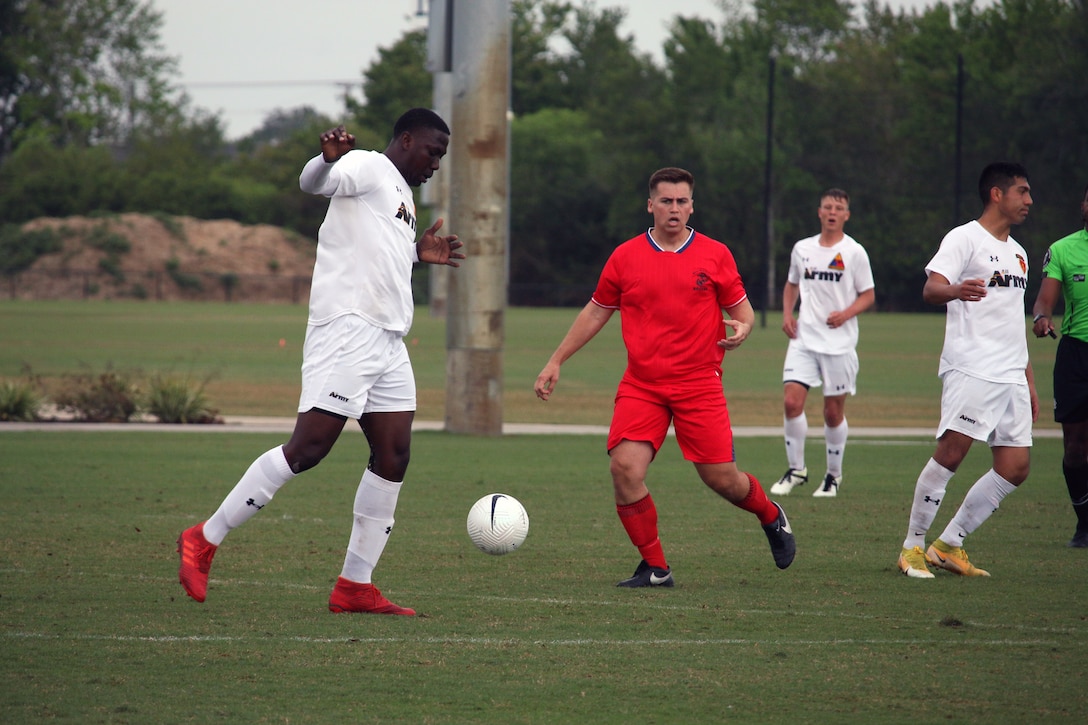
768	215
959	141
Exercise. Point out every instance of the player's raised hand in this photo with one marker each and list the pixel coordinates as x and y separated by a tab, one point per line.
335	143
435	249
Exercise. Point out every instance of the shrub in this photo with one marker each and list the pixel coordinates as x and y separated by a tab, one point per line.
113	244
19	401
183	280
179	400
108	397
170	224
20	249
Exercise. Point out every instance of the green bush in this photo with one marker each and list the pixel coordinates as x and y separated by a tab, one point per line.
108	397
111	265
179	400
20	249
19	401
113	244
170	223
183	280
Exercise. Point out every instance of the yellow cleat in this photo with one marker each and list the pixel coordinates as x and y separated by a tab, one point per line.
912	562
953	559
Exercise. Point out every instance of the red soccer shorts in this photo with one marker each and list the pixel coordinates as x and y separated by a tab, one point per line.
696	409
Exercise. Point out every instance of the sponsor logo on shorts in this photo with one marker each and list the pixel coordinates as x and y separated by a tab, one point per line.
338	396
964	418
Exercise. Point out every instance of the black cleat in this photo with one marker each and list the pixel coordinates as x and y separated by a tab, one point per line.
648	576
780	536
1079	540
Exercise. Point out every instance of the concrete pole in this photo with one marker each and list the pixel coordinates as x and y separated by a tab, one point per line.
436	195
478	155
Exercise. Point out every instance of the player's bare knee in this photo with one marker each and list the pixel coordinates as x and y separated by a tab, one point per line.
304	457
392	466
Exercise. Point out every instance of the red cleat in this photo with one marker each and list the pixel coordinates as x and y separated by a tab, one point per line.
196	561
349	596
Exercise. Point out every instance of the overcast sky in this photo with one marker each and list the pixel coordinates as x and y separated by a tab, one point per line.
245	60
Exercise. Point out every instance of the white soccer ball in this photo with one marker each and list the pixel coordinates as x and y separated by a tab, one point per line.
497	524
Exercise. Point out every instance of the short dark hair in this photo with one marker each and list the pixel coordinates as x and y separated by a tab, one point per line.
836	193
1001	174
671	175
417	118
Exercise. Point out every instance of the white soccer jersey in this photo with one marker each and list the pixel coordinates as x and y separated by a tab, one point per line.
366	245
829	278
985	339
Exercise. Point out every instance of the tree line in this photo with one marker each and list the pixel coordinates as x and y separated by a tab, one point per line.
901	109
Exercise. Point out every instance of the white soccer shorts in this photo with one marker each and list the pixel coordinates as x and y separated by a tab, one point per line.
997	413
351	367
837	373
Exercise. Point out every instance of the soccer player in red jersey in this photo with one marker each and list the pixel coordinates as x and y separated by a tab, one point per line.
671	285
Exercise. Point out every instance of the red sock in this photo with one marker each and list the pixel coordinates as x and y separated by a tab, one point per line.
639	519
757	502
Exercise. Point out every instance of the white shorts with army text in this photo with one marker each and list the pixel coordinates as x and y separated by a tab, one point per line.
350	367
998	414
837	373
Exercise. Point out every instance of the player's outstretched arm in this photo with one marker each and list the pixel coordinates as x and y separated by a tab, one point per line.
585	326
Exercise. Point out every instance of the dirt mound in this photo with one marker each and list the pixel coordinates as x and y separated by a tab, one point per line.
165	257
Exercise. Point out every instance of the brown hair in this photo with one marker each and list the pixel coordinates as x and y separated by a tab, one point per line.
836	194
671	175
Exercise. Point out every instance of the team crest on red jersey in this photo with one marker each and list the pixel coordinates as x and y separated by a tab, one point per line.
702	280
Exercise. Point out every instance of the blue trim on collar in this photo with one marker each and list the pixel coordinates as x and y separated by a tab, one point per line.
682	247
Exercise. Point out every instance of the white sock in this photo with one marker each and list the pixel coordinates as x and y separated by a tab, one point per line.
928	492
836	446
982	499
252	493
375	503
796	431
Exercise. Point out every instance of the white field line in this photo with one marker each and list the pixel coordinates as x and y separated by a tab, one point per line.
508	642
1068	635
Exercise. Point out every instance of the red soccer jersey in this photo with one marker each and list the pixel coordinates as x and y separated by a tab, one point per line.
671	304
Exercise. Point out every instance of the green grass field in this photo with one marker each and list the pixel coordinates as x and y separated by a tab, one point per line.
252	374
95	628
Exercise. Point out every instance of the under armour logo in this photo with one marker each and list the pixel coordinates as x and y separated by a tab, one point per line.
934	501
995	258
388	530
254	504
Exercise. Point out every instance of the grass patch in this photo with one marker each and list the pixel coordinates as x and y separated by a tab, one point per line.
96	628
254	374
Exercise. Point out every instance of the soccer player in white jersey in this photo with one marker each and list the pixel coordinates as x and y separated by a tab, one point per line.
980	274
831	275
354	361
